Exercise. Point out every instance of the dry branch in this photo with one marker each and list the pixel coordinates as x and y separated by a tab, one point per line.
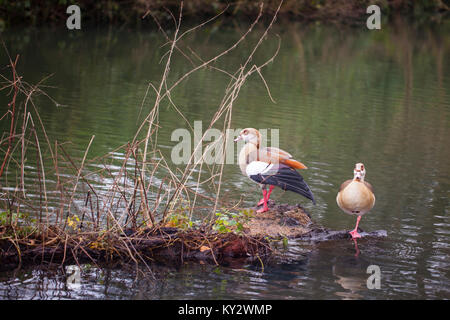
144	192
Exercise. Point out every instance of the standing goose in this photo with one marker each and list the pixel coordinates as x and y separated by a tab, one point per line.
356	196
270	166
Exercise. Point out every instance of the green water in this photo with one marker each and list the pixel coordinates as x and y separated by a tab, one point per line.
342	96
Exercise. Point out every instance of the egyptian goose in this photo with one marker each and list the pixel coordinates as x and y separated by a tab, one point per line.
270	166
356	196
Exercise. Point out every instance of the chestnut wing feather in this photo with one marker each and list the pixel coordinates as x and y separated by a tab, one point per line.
273	155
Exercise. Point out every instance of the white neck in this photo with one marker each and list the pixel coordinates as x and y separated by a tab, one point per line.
244	155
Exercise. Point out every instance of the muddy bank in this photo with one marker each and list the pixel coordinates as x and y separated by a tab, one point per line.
294	222
167	244
282	220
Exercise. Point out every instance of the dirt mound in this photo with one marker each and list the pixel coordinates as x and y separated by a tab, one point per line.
292	221
282	220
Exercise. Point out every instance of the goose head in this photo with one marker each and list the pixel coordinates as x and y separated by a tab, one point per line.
249	135
359	172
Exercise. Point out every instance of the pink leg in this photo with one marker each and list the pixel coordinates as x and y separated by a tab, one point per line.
268	196
265	198
354	232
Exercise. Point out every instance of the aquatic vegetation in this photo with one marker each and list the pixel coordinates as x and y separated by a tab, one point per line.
17	224
232	222
73	222
180	219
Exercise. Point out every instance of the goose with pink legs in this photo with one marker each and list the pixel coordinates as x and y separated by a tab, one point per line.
356	196
270	167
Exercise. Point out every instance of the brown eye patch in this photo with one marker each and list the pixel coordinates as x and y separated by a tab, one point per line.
245	131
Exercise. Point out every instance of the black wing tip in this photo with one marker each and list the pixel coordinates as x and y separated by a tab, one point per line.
287	183
308	195
296	183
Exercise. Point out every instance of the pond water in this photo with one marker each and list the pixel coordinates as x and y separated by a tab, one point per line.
342	95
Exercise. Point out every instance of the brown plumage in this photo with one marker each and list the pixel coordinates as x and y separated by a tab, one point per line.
253	152
270	166
356	196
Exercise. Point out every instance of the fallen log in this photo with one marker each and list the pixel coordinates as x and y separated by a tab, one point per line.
168	244
156	244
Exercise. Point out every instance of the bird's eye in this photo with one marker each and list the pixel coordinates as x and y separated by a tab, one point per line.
245	131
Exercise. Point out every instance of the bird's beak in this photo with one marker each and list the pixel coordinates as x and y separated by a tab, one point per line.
238	138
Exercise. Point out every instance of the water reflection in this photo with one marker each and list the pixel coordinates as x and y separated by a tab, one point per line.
342	96
328	270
